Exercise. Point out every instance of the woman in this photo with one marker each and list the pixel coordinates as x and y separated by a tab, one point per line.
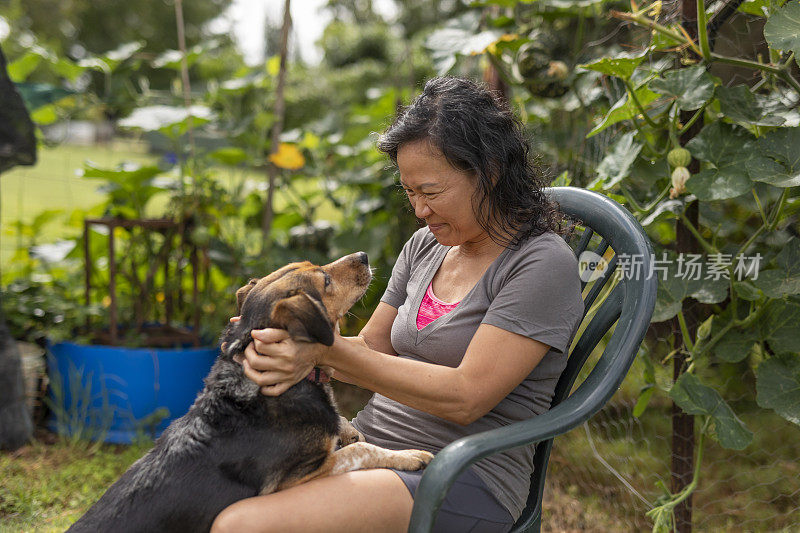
471	333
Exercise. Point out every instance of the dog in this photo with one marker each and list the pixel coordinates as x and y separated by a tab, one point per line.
235	442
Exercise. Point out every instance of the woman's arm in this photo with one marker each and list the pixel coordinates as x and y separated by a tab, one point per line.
496	361
376	335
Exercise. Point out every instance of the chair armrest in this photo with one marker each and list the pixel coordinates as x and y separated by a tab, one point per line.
456	457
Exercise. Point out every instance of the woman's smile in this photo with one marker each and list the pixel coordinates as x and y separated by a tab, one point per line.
439	193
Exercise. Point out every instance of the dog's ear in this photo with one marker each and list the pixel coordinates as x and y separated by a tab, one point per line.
304	317
242	293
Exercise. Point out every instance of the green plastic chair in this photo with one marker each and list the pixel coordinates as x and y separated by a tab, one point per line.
630	304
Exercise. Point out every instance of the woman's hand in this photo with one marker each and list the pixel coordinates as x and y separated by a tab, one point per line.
275	362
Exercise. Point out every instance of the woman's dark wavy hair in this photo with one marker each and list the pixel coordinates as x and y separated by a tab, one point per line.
477	132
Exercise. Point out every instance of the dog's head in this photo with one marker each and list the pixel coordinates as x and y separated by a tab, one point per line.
305	299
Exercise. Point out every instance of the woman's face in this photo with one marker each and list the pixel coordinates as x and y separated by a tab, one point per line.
439	193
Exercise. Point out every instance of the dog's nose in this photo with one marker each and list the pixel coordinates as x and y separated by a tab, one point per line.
363	257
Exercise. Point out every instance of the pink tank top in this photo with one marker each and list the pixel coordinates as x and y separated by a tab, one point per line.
432	308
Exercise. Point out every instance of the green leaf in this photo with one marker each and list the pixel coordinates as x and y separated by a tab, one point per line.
447	43
45	115
625	109
666	210
646	174
759	8
727	149
746	290
778	385
777	283
779	326
691	87
230	155
621	66
779	161
715	184
740	105
38	95
769	171
650	384
708	291
696	398
111	60
670	293
286	220
782	30
789	256
274	65
167	119
171	59
20	68
617	164
562	180
735	346
127	174
785	280
67	69
644	399
662	42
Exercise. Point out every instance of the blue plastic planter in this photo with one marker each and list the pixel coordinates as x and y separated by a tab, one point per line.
117	393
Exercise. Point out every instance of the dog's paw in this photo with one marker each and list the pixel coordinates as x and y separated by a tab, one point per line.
412	459
351	437
348	434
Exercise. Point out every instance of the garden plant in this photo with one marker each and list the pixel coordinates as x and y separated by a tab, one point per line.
685	111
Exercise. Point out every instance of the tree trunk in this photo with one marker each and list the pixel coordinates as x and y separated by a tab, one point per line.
277	128
186	87
683	437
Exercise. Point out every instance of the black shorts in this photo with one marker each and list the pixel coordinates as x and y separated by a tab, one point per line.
469	507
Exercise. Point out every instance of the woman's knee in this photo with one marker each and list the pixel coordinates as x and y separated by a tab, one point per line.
226	521
238	518
365	500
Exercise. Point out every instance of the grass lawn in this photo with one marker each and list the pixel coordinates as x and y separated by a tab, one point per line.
50	483
49	486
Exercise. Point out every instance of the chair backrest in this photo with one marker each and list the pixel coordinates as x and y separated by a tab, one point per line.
629	304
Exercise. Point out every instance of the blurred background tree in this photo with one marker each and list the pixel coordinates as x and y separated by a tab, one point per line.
80	27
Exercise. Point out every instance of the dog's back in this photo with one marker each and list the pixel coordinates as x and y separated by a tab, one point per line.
226	448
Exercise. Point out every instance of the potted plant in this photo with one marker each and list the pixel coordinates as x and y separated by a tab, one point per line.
139	362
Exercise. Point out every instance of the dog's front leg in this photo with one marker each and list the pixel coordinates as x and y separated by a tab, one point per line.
362	455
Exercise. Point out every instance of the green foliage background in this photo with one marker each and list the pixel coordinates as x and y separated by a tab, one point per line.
607	90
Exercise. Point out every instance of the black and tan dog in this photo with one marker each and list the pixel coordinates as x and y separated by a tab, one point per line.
235	442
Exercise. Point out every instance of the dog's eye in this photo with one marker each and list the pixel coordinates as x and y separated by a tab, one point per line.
327	280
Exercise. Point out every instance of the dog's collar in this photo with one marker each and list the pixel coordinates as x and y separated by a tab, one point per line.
318	376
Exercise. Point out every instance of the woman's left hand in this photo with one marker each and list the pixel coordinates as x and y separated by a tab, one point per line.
275	362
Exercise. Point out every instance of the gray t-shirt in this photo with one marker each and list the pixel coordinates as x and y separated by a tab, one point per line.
533	290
